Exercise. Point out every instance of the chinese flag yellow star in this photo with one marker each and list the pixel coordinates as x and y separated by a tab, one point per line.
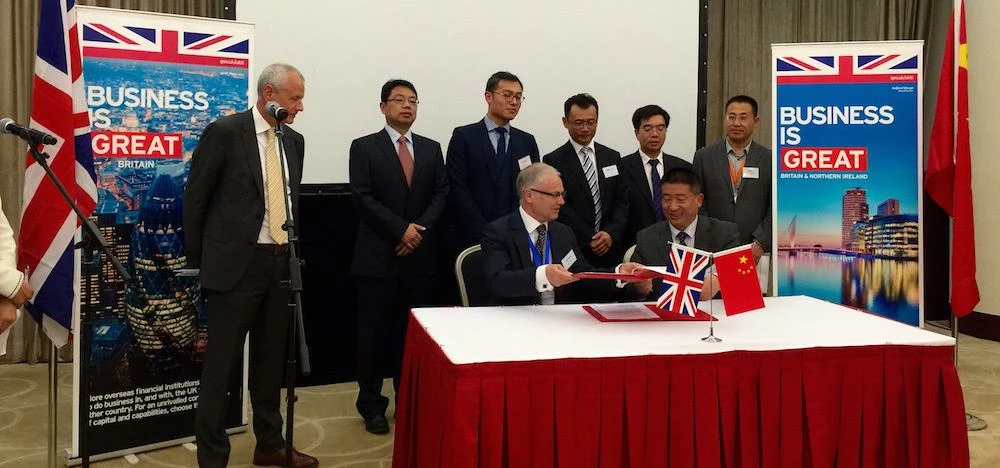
743	259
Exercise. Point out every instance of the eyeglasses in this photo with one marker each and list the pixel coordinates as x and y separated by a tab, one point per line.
509	96
584	123
400	100
551	194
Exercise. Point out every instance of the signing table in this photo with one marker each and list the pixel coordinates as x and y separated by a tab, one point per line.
800	383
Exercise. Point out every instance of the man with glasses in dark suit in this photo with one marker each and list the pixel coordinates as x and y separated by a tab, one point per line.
484	159
400	188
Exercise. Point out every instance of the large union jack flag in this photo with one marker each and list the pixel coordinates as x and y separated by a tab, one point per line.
860	68
48	225
162	45
683	281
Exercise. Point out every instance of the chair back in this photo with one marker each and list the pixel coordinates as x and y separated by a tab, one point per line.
628	254
471	279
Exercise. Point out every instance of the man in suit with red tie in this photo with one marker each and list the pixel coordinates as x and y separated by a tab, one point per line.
596	200
400	188
484	159
644	168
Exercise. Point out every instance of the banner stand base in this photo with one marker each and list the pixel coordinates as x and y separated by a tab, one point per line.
145	448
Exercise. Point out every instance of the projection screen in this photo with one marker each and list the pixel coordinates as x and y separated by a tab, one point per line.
626	54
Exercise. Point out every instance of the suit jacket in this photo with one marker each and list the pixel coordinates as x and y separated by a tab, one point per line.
642	209
387	205
224	197
751	210
481	187
578	212
510	270
710	235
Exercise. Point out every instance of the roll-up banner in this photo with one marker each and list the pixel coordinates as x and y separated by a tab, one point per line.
153	82
847	138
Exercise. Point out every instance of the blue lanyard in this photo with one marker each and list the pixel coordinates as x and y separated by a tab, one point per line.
536	256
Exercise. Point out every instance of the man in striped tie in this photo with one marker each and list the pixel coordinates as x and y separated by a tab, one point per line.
596	206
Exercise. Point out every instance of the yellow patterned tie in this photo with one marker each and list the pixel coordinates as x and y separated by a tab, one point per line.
275	192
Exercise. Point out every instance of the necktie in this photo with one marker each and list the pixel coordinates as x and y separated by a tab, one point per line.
595	189
657	194
540	242
275	191
682	238
546	297
405	160
501	142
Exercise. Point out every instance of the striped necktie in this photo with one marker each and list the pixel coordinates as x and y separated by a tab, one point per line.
595	188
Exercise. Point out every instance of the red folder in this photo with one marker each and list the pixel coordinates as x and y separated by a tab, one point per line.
605	313
636	276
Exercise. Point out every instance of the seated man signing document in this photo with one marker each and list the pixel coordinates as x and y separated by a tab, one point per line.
530	258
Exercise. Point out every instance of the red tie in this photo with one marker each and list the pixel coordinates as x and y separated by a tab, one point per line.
405	160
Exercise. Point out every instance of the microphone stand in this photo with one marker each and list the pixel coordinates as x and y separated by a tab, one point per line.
92	240
296	333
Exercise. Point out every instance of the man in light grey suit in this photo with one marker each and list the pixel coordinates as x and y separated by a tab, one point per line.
681	200
736	176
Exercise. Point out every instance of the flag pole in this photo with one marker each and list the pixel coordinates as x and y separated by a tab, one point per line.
972	422
711	338
53	386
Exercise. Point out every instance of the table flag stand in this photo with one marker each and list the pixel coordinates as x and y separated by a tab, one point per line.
711	338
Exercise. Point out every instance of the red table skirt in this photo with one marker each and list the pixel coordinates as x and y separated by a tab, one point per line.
877	406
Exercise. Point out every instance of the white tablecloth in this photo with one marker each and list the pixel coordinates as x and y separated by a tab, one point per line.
524	333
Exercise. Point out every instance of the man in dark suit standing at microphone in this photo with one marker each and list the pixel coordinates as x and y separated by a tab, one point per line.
400	188
234	214
484	159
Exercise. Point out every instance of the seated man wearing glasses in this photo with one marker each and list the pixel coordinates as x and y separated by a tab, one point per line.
484	158
530	258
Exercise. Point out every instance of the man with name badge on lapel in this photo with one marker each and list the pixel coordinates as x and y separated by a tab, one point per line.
399	186
529	258
484	159
596	199
736	176
644	168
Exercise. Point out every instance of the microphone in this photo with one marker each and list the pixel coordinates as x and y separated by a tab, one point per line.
274	110
30	135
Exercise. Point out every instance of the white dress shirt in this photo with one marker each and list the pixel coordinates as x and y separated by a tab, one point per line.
648	169
394	136
542	284
260	127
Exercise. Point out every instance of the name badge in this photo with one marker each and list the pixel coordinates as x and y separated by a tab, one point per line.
524	162
751	172
569	260
610	171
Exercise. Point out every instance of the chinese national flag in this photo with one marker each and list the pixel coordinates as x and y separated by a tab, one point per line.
738	280
948	179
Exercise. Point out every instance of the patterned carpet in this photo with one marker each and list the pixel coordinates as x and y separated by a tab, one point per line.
328	428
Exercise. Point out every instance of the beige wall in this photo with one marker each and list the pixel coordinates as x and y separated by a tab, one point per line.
984	101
